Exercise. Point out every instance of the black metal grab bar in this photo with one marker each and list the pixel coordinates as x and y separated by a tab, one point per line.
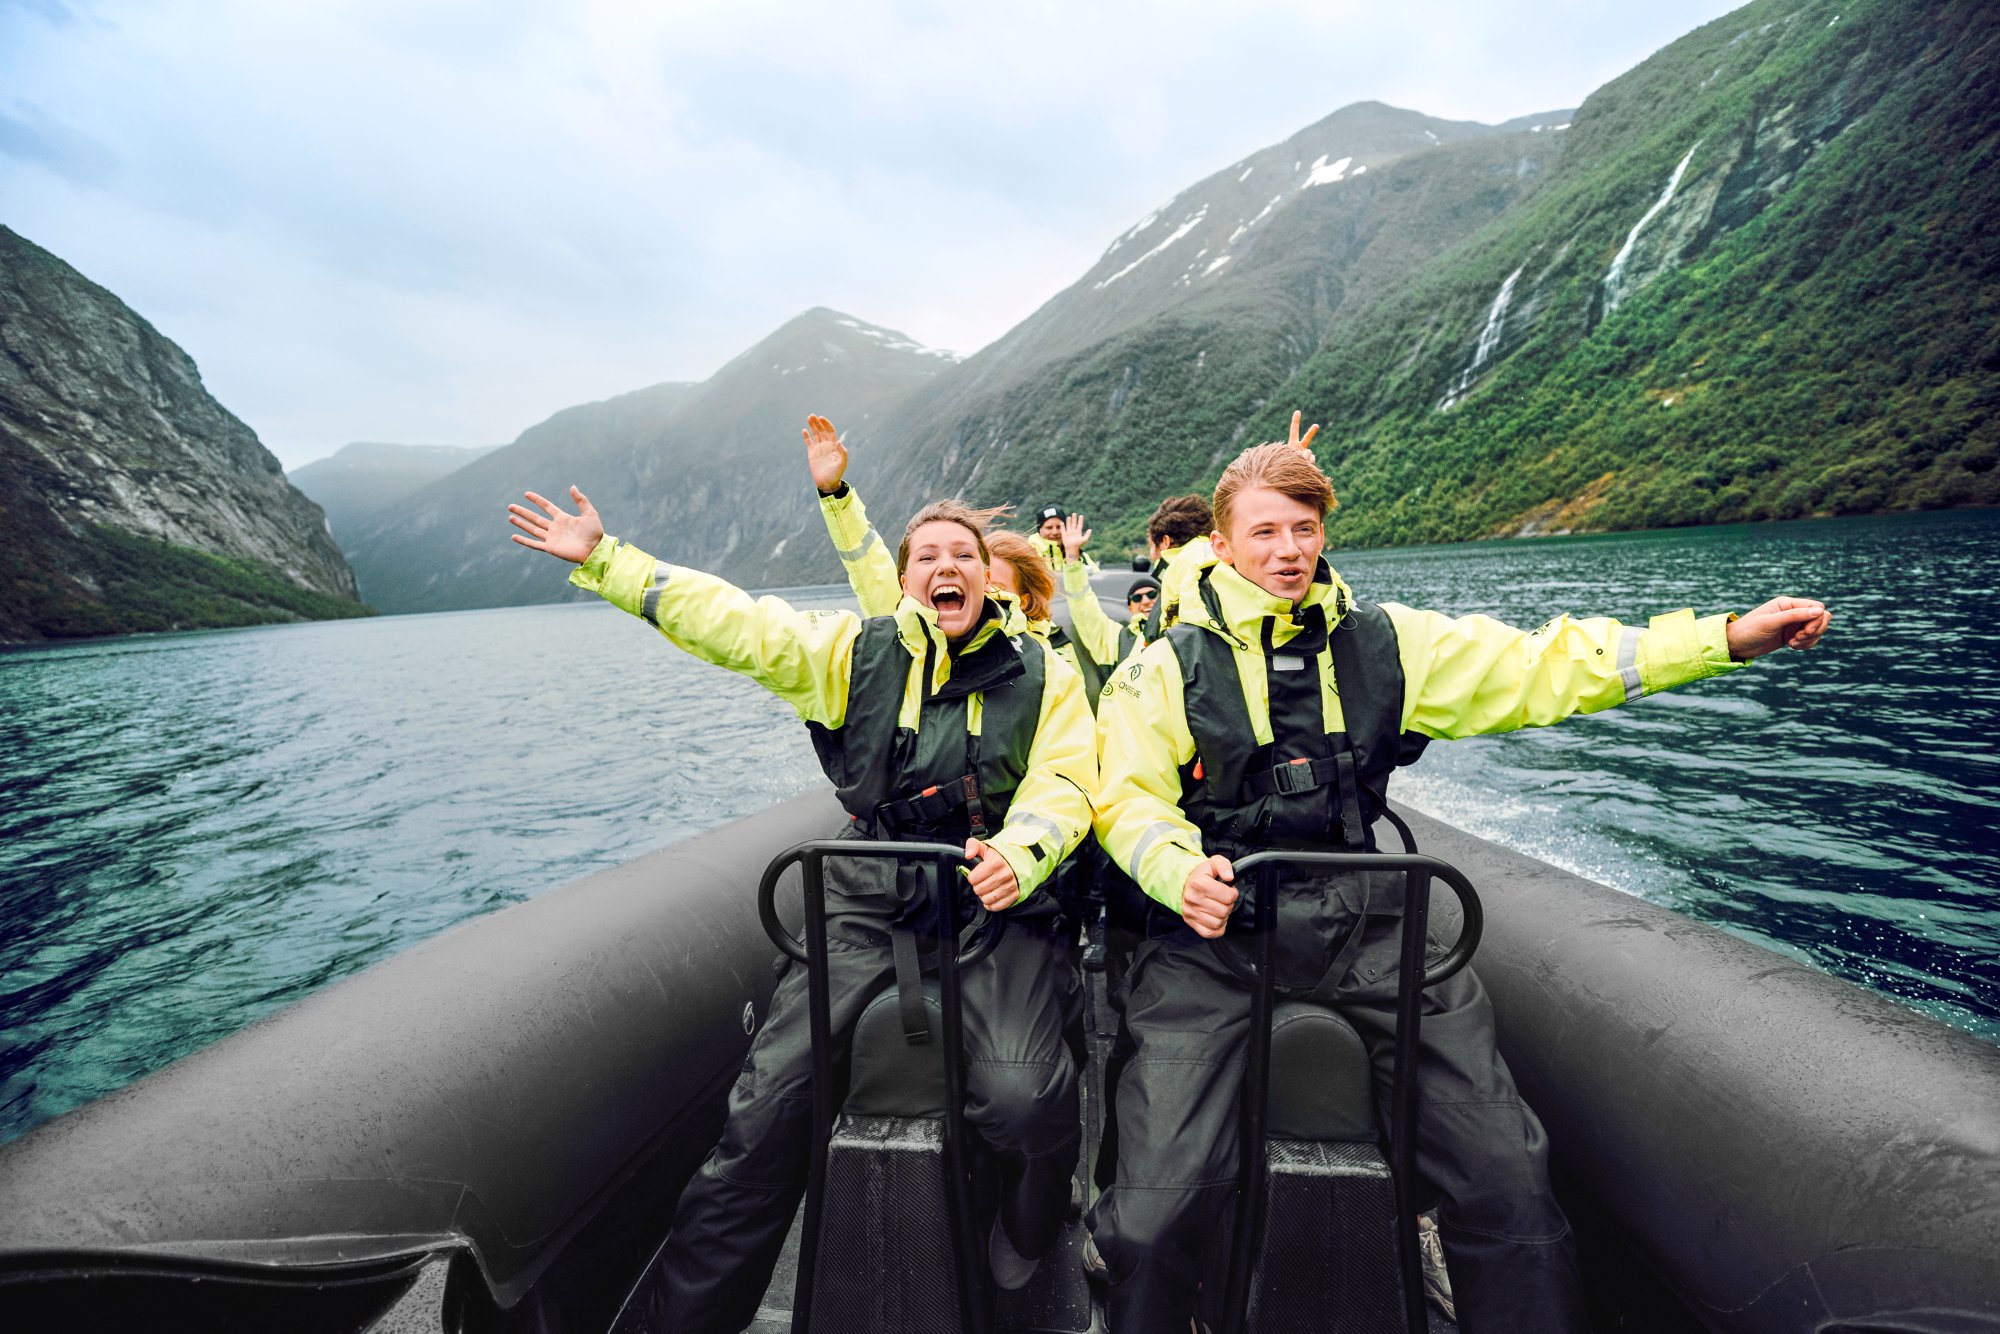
1412	978
946	860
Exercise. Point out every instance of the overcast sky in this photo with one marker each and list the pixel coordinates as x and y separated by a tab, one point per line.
438	221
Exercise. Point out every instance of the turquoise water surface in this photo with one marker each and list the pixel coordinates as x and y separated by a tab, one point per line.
196	829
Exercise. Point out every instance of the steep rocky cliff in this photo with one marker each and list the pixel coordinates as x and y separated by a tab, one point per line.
131	499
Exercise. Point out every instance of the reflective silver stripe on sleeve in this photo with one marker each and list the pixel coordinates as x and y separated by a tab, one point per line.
1159	833
853	552
1041	824
650	608
1628	662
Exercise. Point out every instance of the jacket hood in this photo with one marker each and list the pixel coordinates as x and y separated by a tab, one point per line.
1229	605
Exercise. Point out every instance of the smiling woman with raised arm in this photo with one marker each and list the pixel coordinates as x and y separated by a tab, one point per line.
934	724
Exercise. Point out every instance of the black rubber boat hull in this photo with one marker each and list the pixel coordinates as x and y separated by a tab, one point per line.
1779	1150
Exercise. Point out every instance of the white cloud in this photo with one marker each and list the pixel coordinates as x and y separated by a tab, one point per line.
437	220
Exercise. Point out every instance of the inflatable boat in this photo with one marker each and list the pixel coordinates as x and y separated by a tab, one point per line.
489	1131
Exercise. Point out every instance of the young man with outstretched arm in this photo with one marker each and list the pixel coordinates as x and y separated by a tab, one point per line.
934	724
1271	717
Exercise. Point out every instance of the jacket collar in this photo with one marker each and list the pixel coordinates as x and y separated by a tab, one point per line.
918	629
1217	598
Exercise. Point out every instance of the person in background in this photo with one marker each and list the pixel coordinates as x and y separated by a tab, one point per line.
893	704
1270	716
1107	642
1049	520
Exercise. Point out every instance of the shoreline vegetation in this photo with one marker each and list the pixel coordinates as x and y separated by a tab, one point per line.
243	594
177	589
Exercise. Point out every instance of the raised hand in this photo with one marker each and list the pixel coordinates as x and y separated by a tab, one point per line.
992	878
1074	536
570	537
826	454
1779	623
1303	442
1209	896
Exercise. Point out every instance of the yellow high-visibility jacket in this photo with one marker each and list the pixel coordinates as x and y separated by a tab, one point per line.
1461	677
804	658
1097	632
1182	572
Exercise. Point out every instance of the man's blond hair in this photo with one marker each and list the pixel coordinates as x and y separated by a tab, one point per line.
1280	467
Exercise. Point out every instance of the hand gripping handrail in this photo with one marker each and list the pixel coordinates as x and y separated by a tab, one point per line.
945	861
1412	978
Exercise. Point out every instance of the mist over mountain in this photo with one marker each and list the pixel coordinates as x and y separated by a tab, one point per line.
709	474
132	500
360	480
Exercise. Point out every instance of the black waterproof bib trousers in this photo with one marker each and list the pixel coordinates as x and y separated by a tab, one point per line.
1021	1083
1480	1151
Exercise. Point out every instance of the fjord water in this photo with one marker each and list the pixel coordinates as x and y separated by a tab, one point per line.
196	829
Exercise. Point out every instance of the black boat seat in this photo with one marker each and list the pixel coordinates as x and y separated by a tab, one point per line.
885	1256
889	1075
1321	1086
1328	1260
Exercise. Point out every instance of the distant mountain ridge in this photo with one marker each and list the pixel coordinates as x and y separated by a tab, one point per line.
360	480
131	499
710	474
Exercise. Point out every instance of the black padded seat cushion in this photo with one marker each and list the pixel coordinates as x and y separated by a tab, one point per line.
890	1076
1321	1086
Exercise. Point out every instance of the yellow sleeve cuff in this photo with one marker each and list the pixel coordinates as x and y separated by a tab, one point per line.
1076	580
589	576
618	572
1677	648
1165	874
1028	872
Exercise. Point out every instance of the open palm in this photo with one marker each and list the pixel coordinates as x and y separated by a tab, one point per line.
570	537
826	454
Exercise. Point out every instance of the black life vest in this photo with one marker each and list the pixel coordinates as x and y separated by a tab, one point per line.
1308	787
1090	669
937	780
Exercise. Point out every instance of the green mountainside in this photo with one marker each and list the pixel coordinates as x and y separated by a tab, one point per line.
1229	305
1806	326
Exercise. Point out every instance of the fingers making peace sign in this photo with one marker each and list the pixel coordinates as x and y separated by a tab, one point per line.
1306	441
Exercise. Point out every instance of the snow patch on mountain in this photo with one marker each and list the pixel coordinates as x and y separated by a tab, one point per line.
1326	173
1243	227
1176	235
